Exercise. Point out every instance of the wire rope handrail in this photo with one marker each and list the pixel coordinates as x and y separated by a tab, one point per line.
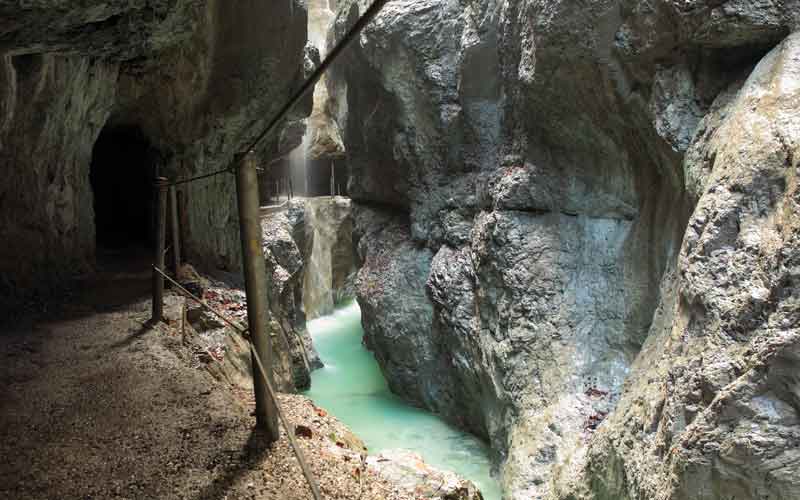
370	14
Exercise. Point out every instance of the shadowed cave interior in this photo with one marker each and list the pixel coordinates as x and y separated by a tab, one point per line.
122	173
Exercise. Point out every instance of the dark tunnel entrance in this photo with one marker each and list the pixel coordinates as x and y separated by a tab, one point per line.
122	173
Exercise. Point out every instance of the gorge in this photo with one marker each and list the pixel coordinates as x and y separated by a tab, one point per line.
572	228
352	387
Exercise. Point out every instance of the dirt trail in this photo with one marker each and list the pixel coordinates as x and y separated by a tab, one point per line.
95	403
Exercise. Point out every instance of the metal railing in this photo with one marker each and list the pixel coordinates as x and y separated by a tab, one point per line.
265	379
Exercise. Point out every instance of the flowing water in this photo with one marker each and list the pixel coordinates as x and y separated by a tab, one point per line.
353	389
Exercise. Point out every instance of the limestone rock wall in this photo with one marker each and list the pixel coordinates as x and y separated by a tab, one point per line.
711	409
198	78
311	267
524	175
323	141
330	260
286	263
46	215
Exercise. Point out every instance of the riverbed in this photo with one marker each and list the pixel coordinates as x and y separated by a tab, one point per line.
352	387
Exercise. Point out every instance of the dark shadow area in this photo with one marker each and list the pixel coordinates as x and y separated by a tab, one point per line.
122	278
122	174
147	327
312	179
326	178
238	463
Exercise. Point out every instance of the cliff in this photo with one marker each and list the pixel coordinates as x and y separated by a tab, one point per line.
575	233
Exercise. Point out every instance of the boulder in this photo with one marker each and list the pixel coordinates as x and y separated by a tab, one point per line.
411	474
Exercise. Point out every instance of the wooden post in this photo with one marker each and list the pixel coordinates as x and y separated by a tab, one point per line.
312	483
160	244
288	426
333	180
255	276
176	234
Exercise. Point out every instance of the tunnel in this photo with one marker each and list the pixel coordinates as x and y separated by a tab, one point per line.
121	176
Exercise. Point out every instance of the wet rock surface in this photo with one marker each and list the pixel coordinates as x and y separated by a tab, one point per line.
311	266
325	141
524	177
330	261
710	410
283	234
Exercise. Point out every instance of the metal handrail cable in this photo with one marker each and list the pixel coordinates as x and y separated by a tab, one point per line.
307	85
312	483
362	22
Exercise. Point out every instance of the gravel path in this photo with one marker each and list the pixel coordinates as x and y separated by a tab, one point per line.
95	404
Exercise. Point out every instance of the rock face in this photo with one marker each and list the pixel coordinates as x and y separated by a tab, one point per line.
196	79
283	234
323	141
330	259
553	199
712	406
311	266
224	352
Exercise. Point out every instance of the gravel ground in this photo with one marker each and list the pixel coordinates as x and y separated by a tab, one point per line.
95	403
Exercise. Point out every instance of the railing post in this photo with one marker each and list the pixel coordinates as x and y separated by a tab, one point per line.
160	242
176	231
255	274
333	180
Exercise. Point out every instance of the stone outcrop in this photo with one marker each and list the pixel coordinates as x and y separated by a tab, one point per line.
330	258
284	236
324	141
410	473
198	79
311	267
224	352
525	174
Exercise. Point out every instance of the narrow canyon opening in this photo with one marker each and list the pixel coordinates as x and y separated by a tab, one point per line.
352	386
122	173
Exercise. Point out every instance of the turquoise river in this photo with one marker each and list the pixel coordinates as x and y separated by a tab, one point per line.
353	389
